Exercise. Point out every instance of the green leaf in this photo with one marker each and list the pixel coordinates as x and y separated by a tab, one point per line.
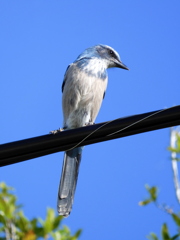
56	235
22	222
171	149
152	191
34	222
152	236
165	233
66	230
177	148
153	195
178	142
176	218
2	218
175	237
145	202
48	223
78	233
4	188
176	159
57	221
39	231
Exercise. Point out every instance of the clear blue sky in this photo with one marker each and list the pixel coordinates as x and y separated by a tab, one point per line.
39	38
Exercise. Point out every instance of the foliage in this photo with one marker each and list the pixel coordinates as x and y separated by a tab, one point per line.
177	148
152	195
164	233
164	230
152	191
14	225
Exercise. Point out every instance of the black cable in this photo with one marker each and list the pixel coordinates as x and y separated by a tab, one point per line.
23	150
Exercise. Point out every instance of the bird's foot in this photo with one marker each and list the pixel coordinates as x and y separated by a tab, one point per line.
57	131
89	123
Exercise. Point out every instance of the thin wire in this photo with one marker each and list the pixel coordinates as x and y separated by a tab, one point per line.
137	122
118	130
91	134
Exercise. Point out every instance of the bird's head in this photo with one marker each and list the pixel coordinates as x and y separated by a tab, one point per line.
106	54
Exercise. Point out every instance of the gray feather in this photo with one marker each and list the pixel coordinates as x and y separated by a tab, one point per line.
68	181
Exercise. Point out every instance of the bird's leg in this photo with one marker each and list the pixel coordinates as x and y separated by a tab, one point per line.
89	123
57	131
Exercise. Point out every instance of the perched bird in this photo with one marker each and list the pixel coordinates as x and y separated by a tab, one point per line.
83	88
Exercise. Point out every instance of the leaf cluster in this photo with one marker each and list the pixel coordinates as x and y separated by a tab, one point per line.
152	191
152	198
14	225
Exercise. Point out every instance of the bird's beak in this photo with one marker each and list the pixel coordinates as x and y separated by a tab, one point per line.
121	65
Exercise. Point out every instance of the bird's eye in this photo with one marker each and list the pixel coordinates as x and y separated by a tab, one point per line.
111	53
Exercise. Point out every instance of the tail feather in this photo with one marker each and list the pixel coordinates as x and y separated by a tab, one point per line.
68	181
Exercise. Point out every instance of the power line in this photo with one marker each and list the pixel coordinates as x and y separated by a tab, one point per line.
23	150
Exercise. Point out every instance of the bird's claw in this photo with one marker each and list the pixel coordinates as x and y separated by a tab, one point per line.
56	131
89	123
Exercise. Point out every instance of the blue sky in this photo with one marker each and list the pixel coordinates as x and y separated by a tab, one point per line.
38	40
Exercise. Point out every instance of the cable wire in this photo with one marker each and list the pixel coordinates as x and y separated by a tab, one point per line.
23	150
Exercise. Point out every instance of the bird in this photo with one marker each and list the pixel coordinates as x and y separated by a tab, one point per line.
83	90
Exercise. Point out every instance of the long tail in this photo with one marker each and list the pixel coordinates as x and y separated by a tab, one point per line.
68	181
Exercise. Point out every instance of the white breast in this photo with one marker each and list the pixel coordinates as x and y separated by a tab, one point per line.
82	95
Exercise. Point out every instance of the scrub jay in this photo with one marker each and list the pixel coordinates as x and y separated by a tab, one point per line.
83	88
